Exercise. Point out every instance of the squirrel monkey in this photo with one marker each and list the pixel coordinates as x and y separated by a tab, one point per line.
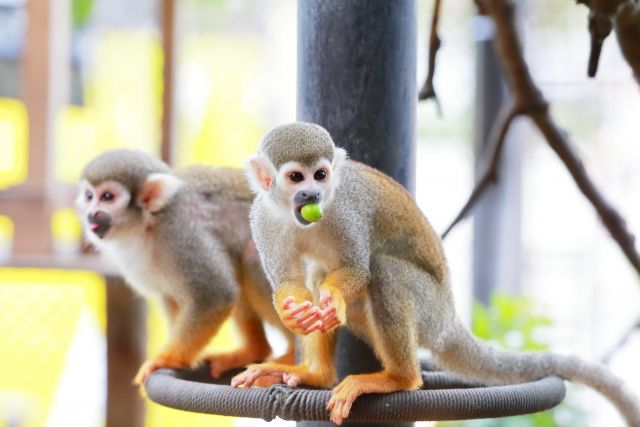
182	238
379	269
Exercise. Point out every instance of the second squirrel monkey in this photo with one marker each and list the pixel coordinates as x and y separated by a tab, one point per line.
183	238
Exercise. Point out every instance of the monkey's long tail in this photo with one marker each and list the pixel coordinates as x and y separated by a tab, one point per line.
466	355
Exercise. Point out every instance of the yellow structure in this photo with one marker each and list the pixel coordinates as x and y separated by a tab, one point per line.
14	147
39	317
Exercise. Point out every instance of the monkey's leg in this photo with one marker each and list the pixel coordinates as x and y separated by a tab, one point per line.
194	325
392	333
255	347
317	370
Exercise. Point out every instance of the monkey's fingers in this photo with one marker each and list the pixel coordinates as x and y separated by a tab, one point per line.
336	412
267	381
344	394
222	362
292	380
287	302
152	365
302	318
329	320
143	373
331	298
327	327
292	310
145	370
310	324
253	372
329	314
326	300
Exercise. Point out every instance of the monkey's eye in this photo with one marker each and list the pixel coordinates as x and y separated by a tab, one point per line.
88	195
106	196
296	176
320	175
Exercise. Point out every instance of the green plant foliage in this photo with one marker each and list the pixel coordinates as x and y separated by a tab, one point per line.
511	322
81	12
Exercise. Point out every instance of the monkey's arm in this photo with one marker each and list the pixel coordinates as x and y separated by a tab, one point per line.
285	270
350	279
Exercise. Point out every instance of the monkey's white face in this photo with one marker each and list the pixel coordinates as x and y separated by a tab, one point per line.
295	184
102	208
301	185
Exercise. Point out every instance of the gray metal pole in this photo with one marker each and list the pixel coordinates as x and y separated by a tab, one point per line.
357	78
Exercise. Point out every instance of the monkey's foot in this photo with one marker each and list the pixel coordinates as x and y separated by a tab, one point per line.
152	365
287	359
291	375
223	362
345	393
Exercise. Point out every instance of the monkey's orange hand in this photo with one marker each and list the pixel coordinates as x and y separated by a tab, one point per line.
333	309
302	318
152	365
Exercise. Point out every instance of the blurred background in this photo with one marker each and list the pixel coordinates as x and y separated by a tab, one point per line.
200	81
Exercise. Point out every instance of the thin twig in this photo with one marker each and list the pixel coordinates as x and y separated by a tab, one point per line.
526	93
599	29
497	138
601	16
428	91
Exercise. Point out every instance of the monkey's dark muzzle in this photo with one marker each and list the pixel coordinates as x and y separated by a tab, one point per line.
99	223
302	198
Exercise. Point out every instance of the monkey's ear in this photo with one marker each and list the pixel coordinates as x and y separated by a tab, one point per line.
340	155
157	190
260	173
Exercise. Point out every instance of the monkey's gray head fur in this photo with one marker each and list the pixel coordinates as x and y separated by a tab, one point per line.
300	141
128	167
297	165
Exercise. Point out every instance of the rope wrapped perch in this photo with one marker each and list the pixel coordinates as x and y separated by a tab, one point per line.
444	397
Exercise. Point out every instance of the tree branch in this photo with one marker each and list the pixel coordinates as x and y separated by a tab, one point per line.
527	95
428	91
609	216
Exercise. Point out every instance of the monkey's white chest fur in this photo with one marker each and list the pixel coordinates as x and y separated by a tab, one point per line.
138	264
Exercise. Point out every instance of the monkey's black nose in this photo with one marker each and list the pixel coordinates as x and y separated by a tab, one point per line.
99	223
304	197
98	217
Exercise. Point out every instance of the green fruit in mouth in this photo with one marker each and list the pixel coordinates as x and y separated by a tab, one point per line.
311	212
